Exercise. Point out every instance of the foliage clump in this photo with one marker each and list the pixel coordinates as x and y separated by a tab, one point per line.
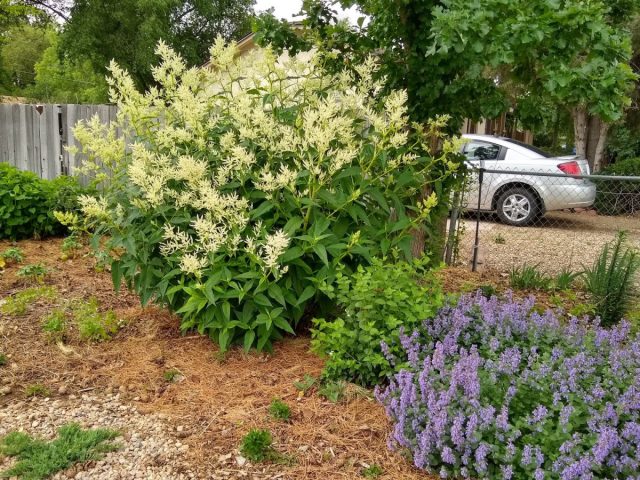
27	203
12	255
248	183
377	303
38	459
257	446
280	410
494	389
94	325
35	273
19	303
611	280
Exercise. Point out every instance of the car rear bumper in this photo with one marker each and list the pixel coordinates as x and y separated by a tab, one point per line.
581	194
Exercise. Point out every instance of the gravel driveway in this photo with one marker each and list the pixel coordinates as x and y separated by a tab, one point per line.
557	241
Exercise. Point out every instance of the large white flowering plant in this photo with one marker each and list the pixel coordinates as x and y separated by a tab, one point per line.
236	191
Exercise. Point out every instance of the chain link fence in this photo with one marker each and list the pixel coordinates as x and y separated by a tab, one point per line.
549	218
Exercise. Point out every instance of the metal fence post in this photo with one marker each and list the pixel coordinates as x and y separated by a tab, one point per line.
476	244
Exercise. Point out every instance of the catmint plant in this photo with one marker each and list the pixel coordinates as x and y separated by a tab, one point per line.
496	390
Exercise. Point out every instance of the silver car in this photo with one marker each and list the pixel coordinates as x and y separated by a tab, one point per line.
517	194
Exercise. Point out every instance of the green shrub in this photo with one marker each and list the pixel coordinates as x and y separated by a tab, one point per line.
610	280
39	459
332	390
35	273
36	390
619	197
94	325
27	203
565	279
171	375
529	277
279	410
18	303
257	445
3	359
372	471
306	384
71	245
13	255
234	208
376	303
54	324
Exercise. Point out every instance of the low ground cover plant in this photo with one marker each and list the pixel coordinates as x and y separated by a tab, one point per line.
12	255
257	446
36	390
27	203
248	183
18	304
94	325
495	389
34	273
610	281
280	410
38	459
376	304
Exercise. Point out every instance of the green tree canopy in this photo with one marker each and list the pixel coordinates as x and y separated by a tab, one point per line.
61	80
22	48
129	30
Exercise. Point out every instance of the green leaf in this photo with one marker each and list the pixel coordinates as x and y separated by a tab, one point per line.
276	293
307	293
321	251
116	274
249	337
282	324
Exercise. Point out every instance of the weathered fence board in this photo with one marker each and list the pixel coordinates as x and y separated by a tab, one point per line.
35	137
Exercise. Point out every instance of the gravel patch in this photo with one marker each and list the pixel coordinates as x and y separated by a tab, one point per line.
147	450
557	241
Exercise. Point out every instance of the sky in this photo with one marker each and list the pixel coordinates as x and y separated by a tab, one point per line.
288	8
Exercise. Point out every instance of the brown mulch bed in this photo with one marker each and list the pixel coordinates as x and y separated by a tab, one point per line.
216	400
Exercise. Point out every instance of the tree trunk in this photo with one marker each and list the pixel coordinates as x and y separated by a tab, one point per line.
598	159
593	135
580	127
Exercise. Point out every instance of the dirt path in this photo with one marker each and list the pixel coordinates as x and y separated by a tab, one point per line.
190	428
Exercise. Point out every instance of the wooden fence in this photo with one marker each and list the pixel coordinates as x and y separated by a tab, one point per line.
35	137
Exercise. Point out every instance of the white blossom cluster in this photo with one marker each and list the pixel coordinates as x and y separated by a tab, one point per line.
203	129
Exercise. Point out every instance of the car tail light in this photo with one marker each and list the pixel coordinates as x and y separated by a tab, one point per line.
570	168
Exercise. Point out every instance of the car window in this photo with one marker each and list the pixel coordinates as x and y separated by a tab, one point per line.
476	150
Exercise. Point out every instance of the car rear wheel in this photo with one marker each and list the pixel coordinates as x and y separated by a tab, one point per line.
518	207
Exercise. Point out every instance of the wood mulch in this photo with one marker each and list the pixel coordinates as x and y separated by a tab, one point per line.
216	400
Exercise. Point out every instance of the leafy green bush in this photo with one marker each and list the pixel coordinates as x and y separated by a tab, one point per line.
54	324
35	272
610	280
13	255
619	197
279	410
257	445
94	325
27	203
249	183
377	303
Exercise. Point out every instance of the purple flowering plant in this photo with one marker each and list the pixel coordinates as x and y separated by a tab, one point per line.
494	389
